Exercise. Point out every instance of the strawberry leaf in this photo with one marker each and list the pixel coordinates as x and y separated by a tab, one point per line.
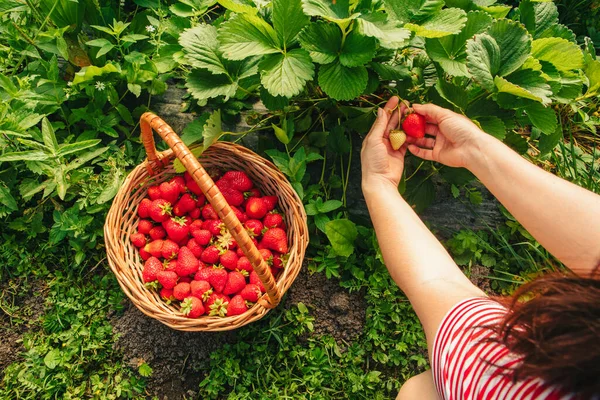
342	83
247	35
322	40
341	233
285	74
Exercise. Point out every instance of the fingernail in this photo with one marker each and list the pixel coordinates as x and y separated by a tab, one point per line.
379	112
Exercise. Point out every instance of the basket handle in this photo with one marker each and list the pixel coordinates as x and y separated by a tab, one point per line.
156	161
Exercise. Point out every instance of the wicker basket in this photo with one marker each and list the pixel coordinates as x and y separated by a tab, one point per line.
122	219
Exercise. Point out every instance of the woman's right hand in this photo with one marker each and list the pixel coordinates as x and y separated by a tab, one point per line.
455	138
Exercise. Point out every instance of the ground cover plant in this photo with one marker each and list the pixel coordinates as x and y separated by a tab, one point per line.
75	76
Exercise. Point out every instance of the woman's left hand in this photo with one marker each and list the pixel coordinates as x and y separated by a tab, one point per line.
381	163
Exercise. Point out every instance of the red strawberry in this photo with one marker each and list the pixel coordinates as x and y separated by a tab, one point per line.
191	184
187	264
279	260
225	241
223	184
254	227
239	214
253	193
229	260
144	208
210	255
254	279
217	304
169	191
196	224
153	193
155	248
180	182
208	212
185	279
185	204
168	279
233	197
200	289
213	225
144	254
158	232
195	248
240	252
203	273
160	210
170	265
239	180
151	268
192	307
251	292
256	208
270	202
414	125
195	213
144	226
167	295
235	282
202	236
243	264
217	277
176	228
181	290
201	200
236	306
138	239
266	255
275	239
273	220
169	249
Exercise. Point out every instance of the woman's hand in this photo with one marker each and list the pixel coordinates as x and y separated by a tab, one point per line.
454	137
381	163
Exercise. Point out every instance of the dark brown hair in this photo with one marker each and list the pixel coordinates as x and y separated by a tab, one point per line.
556	331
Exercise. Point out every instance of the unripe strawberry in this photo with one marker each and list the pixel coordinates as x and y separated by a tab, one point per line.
397	138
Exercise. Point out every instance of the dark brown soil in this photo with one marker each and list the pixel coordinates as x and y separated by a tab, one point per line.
19	313
479	276
176	357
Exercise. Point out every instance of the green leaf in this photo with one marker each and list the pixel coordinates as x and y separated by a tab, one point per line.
77	146
450	51
535	86
322	40
280	134
52	358
98	42
514	43
286	74
111	189
125	114
135	89
483	60
247	35
413	10
288	20
145	370
329	206
212	129
453	94
547	143
7	200
493	126
201	48
28	155
91	72
273	102
358	50
561	53
420	192
196	152
448	21
342	83
390	33
203	85
8	85
239	6
391	72
48	135
592	72
543	118
538	17
336	11
83	158
341	233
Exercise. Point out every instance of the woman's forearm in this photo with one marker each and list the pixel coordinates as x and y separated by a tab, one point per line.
563	217
416	260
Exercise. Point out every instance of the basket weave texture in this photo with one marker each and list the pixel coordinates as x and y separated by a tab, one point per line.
122	219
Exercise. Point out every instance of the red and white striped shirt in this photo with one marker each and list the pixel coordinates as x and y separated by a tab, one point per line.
464	364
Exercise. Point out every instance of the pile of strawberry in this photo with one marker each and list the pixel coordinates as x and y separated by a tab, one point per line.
192	258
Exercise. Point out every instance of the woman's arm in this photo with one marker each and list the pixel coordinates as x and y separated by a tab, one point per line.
563	217
417	261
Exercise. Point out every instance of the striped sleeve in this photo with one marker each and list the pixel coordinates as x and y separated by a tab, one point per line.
467	366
